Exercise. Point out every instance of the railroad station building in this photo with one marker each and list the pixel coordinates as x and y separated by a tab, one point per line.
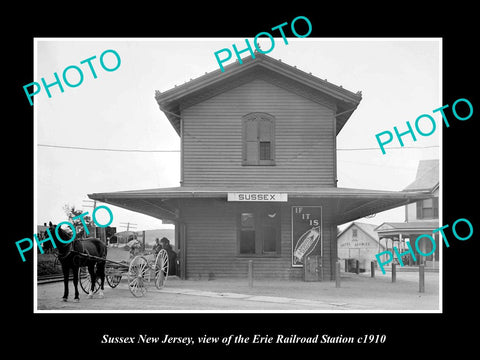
258	173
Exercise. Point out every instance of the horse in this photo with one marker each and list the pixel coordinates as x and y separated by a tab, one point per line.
70	257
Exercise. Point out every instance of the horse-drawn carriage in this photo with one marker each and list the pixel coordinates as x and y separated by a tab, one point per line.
140	270
91	253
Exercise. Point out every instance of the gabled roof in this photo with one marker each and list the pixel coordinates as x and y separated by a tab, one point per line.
262	67
368	229
427	176
412	227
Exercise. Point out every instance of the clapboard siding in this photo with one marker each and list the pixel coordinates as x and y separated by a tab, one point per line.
211	244
304	138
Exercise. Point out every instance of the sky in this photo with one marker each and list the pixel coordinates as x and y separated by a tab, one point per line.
400	79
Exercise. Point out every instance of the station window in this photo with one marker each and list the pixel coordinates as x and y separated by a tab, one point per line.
259	232
265	150
258	131
247	233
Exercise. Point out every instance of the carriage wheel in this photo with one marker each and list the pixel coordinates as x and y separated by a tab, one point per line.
136	275
86	281
113	280
161	269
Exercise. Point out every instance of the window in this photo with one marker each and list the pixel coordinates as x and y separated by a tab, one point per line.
265	150
259	232
427	209
354	232
247	233
258	139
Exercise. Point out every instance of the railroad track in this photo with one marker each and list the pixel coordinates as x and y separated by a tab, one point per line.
46	279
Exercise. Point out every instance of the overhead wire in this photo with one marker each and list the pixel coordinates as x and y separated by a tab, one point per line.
105	149
173	150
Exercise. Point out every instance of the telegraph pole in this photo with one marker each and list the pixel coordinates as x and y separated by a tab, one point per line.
128	225
89	203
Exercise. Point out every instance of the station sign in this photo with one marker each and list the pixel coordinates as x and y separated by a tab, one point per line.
257	196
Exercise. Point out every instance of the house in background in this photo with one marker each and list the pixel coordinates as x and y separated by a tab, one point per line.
358	241
421	217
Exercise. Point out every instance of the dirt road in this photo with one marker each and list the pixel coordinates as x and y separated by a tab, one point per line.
357	293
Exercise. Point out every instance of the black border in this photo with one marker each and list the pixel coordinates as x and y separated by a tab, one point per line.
433	332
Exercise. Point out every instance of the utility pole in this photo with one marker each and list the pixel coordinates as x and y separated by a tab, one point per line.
89	203
128	225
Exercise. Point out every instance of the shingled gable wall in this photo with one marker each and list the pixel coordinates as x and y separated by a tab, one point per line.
304	138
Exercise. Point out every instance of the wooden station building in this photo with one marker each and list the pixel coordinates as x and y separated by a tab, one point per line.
258	173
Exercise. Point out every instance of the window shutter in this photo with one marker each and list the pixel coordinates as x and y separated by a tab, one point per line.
251	141
265	130
419	209
435	208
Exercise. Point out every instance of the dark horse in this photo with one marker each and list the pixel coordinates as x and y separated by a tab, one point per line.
72	256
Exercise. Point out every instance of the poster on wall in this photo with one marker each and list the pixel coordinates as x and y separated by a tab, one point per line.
306	232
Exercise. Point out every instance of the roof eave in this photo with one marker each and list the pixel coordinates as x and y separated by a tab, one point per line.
231	70
352	203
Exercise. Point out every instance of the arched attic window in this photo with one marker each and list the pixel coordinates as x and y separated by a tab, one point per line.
258	138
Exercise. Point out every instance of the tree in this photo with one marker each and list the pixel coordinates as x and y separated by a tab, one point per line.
71	213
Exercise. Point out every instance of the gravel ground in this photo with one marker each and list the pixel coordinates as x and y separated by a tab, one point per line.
358	293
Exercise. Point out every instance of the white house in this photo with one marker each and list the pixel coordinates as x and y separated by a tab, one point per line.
421	217
358	241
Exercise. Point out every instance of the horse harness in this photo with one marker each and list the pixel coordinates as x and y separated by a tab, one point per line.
72	251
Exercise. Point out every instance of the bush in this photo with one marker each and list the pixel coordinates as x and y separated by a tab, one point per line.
46	265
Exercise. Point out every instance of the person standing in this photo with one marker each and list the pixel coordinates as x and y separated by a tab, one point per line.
172	256
157	247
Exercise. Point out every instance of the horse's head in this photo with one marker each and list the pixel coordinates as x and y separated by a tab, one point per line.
65	233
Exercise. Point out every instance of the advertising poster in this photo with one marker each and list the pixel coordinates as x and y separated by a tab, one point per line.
306	233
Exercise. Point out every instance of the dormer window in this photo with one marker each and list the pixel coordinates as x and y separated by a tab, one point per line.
258	131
